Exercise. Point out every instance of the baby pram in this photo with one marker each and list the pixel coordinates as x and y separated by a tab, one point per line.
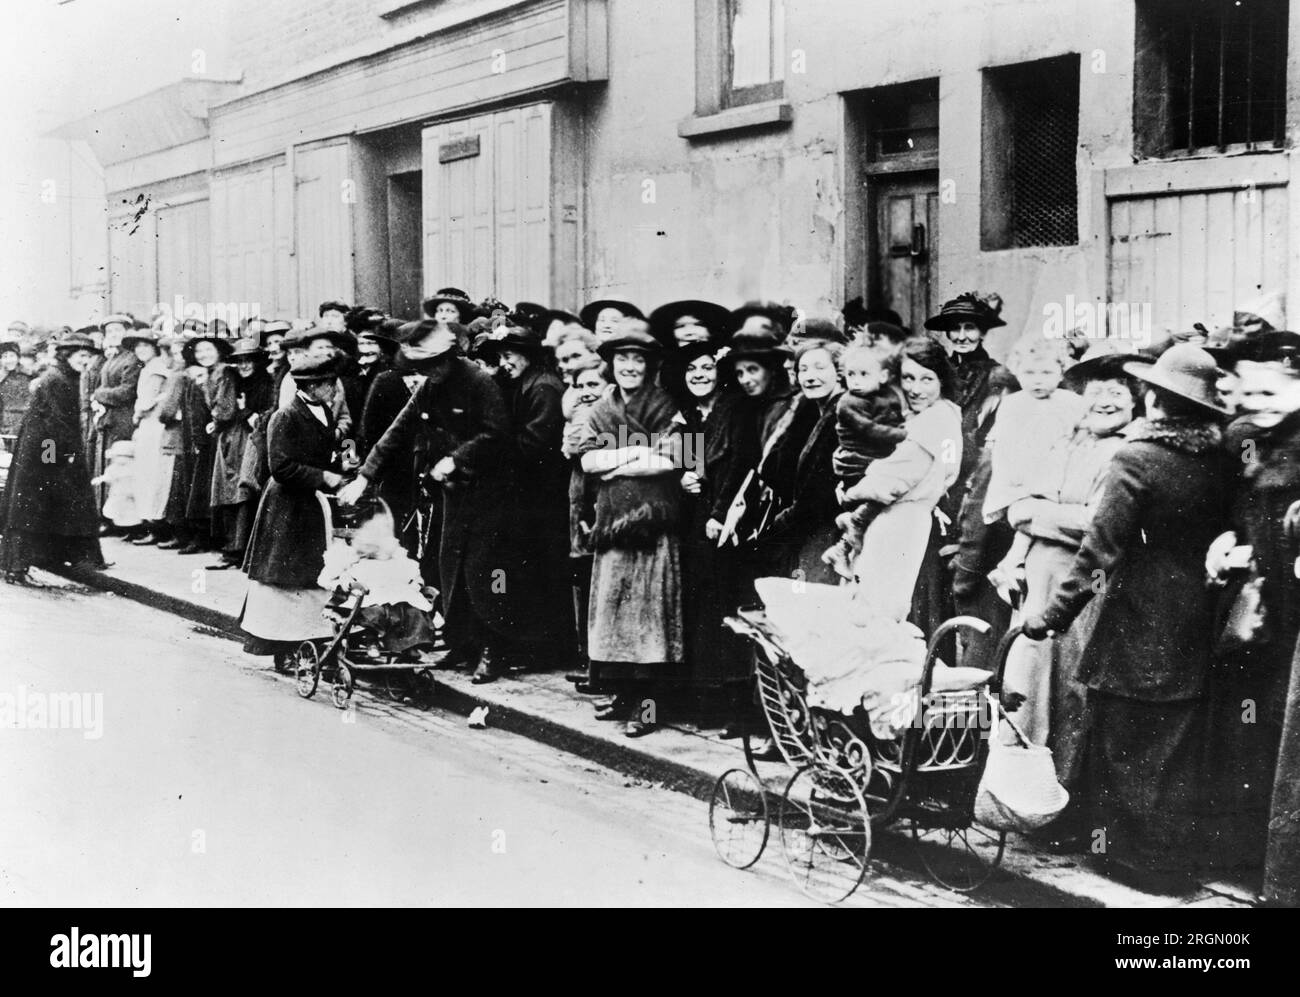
356	649
848	781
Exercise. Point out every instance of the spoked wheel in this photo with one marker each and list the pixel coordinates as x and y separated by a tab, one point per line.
399	685
344	683
825	833
738	818
959	858
306	669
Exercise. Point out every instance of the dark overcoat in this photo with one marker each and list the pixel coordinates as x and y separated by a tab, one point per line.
116	392
1166	499
287	546
800	470
15	399
48	489
399	488
538	519
459	412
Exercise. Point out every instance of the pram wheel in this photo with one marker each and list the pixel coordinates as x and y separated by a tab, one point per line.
825	833
306	669
344	683
738	821
960	859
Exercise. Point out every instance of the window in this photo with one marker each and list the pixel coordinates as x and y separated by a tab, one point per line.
903	122
754	51
1209	74
1030	140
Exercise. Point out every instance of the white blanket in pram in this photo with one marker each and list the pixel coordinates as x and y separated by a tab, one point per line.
851	658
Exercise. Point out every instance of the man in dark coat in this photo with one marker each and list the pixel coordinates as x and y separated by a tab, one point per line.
541	616
458	426
1146	663
50	511
389	392
112	403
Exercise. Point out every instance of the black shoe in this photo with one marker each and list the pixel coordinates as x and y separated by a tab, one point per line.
765	751
192	548
108	530
222	565
638	728
487	670
145	540
172	544
457	658
732	731
577	677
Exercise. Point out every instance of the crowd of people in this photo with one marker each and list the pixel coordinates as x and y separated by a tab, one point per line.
1136	513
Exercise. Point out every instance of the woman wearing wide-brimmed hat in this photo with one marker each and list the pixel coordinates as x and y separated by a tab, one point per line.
541	634
689	321
603	315
202	354
239	393
1146	663
1242	760
450	304
50	514
286	551
712	416
635	636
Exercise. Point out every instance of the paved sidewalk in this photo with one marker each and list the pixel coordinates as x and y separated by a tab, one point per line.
544	707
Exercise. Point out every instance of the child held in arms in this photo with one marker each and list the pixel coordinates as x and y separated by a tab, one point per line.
869	425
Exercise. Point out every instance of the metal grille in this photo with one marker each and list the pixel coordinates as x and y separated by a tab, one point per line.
1044	106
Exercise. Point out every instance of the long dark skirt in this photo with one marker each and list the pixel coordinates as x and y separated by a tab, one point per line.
1282	858
22	549
1141	783
715	656
1247	705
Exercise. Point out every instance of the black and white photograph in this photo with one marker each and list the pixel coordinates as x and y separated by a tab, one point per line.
650	453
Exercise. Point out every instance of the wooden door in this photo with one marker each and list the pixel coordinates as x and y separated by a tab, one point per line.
904	252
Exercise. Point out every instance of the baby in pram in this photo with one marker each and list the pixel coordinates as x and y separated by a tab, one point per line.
396	608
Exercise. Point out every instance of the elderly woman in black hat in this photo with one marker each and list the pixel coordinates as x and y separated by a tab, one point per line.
1146	663
50	514
635	634
240	395
542	624
286	551
1243	758
456	429
450	304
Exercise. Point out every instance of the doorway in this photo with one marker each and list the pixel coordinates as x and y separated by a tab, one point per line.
892	249
904	245
405	272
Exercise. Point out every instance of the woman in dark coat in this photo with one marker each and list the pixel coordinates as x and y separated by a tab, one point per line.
1242	758
542	625
15	390
203	354
457	425
708	425
799	471
239	394
286	551
1146	663
50	513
